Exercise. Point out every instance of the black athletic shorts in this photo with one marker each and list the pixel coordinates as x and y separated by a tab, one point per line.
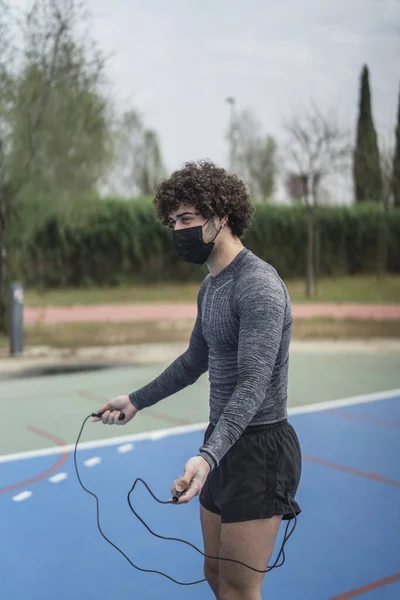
256	475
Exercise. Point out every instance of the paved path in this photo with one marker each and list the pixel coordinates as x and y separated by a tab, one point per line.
151	312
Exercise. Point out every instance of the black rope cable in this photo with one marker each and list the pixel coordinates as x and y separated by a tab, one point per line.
281	554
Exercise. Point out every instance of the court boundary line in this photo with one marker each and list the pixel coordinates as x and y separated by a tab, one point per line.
157	434
368	587
55	467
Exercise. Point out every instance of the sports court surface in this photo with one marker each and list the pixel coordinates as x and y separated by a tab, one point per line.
347	540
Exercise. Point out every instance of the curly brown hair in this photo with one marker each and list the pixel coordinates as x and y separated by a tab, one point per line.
208	188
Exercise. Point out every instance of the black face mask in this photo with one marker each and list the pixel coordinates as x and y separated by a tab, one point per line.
190	245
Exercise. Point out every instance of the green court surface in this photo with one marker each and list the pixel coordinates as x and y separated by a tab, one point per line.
41	412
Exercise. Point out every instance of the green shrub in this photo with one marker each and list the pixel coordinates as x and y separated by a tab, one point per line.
120	241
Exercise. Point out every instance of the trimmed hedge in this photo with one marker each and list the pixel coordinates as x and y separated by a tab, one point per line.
121	241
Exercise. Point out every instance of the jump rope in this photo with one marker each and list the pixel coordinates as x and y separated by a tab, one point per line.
175	498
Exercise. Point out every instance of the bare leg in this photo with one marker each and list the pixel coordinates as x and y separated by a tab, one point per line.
251	542
211	528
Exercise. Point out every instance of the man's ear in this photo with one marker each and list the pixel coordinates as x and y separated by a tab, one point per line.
223	221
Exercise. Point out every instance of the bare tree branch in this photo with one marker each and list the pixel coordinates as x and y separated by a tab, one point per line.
316	146
49	81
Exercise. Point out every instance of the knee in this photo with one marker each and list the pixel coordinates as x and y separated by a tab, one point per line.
233	590
227	592
211	573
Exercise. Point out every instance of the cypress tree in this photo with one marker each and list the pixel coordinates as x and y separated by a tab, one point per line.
366	164
396	163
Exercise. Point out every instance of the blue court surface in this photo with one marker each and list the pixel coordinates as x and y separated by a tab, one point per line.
346	544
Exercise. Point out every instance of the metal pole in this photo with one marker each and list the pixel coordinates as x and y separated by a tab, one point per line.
16	311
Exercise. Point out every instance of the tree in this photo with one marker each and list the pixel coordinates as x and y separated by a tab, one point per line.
315	147
396	163
386	159
386	156
53	117
137	165
366	163
59	96
253	154
149	167
260	162
389	188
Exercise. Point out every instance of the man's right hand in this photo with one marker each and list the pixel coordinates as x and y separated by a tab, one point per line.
111	411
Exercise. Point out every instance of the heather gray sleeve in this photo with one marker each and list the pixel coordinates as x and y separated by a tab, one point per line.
184	371
261	304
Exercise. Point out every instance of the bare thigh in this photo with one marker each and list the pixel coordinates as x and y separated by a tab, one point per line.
251	542
211	529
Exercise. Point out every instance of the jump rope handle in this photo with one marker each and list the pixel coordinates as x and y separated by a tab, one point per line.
120	418
176	496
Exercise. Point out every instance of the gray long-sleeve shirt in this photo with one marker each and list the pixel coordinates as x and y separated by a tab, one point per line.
241	336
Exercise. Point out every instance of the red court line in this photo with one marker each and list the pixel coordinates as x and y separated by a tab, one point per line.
374	476
360	417
62	460
367	588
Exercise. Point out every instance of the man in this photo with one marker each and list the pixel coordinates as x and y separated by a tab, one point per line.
248	469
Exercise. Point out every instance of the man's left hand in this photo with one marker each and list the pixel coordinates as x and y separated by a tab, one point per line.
193	479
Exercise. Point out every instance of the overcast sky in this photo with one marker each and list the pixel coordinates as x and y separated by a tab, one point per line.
177	61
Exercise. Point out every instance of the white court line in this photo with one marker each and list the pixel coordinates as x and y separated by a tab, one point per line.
22	496
91	462
161	433
125	448
134	437
57	478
